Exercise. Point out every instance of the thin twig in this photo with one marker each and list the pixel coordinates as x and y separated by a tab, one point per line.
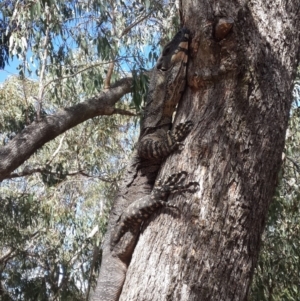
74	74
57	150
124	112
128	28
28	172
44	61
112	64
108	75
294	162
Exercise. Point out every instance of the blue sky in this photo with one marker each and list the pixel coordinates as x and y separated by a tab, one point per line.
9	70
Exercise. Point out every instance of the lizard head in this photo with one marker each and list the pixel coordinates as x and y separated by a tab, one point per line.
167	82
174	51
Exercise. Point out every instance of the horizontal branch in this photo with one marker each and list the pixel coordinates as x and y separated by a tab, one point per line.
8	255
30	171
34	136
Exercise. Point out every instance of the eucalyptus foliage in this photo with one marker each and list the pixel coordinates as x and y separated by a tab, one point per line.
54	207
68	39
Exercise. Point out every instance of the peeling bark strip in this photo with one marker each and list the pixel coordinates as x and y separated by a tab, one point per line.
238	97
38	133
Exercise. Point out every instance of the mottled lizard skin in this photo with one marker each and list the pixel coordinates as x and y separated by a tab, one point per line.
139	211
165	90
157	140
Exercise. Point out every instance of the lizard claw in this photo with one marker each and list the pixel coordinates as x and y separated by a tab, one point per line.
175	183
182	130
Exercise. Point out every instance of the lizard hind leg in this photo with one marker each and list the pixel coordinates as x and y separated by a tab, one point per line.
174	183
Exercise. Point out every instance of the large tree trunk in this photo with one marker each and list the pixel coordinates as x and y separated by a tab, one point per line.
239	97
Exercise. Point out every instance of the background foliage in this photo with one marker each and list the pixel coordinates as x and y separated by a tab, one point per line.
48	216
54	206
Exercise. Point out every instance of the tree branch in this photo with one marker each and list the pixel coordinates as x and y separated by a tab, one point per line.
294	162
9	254
30	171
12	252
128	28
44	62
75	73
124	112
40	132
57	150
108	76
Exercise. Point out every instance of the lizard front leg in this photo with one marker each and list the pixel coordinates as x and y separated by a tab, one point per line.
161	143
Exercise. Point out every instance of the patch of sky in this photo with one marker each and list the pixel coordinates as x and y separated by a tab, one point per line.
13	67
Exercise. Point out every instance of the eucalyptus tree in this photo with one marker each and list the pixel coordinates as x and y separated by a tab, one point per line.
110	41
239	97
56	193
86	57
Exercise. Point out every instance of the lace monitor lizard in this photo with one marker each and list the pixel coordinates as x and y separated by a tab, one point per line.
138	211
138	197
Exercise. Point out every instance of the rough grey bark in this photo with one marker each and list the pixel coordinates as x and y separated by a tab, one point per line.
238	96
34	136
